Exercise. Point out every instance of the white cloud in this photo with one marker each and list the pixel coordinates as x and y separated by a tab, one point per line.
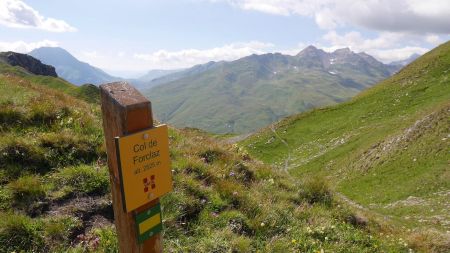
414	16
164	59
386	47
295	50
17	14
90	54
433	39
117	62
326	19
404	27
397	54
278	7
25	47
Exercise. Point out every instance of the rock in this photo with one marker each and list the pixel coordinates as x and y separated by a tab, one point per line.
357	220
29	63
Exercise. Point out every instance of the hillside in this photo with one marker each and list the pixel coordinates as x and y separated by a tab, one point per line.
54	190
386	149
27	70
156	74
195	70
252	92
70	68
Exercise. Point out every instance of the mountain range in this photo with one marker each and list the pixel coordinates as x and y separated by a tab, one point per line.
242	95
249	93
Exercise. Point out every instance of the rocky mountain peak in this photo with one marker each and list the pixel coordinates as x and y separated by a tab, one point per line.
310	50
29	63
343	51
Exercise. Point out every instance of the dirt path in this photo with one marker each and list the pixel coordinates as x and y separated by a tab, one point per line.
286	161
238	138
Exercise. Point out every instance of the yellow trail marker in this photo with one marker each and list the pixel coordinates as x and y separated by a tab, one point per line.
149	223
144	166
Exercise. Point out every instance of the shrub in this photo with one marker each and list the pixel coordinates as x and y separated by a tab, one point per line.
9	117
98	240
18	233
59	230
217	203
45	113
198	169
243	173
242	244
5	198
83	179
27	190
316	190
108	242
236	221
66	149
189	211
231	192
429	240
211	155
18	156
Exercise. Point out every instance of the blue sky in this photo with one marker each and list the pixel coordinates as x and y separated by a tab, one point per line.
131	37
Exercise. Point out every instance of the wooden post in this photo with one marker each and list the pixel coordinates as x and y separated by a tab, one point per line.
125	111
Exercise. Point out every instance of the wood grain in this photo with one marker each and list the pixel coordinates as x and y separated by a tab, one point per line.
125	110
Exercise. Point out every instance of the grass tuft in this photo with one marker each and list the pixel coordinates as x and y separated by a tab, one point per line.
211	155
316	190
18	156
66	149
19	233
82	179
27	192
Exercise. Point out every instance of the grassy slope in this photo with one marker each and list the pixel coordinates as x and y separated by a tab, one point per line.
386	145
54	189
86	92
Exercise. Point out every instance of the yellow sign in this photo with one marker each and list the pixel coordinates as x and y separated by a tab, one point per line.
144	166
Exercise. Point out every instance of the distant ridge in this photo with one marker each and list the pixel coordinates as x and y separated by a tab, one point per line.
249	93
70	68
157	73
406	61
176	75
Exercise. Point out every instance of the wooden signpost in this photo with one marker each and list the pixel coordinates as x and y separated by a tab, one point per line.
139	167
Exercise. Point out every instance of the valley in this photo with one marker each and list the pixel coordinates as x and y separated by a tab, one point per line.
386	149
54	194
